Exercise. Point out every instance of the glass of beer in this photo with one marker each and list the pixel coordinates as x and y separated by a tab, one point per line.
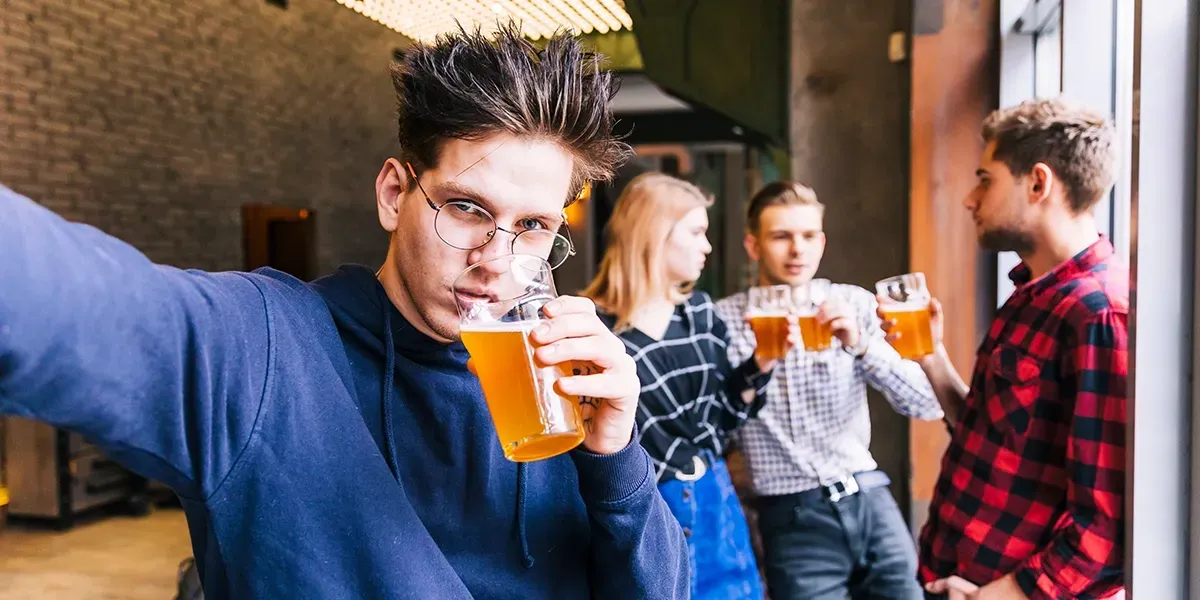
499	303
905	300
809	297
768	310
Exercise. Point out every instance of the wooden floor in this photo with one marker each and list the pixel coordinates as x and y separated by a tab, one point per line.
116	558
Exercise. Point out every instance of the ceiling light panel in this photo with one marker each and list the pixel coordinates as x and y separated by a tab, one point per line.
424	20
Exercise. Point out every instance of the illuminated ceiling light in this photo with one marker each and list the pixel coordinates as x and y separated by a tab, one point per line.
565	15
601	11
596	20
424	20
527	14
617	9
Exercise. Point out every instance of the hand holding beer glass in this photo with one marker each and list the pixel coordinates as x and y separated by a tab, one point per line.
771	313
816	332
906	308
499	304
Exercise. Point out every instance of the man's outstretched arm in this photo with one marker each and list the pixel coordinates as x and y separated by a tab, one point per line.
162	368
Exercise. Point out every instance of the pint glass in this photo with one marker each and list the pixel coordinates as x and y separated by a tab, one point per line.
809	297
905	300
499	304
769	309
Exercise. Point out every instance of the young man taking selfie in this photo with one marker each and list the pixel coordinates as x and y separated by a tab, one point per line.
327	439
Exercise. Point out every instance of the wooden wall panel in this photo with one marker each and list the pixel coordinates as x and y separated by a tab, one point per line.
955	71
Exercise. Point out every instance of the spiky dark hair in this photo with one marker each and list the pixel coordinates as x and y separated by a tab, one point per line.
469	85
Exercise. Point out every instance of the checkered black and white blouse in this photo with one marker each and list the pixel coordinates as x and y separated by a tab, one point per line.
691	394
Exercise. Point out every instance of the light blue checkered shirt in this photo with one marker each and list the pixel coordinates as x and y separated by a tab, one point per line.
815	427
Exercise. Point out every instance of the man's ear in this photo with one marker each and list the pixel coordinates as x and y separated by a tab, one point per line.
751	244
1041	182
394	179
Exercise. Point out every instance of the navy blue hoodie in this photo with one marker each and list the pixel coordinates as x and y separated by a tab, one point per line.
322	446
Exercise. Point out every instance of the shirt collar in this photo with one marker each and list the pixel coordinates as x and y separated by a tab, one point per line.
1085	261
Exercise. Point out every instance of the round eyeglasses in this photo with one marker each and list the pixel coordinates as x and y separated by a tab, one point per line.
468	226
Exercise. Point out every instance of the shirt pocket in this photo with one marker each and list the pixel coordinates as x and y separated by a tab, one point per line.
1014	385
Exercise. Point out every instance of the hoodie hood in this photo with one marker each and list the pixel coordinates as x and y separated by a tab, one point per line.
362	311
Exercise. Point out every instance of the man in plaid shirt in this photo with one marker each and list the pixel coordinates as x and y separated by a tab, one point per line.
1031	495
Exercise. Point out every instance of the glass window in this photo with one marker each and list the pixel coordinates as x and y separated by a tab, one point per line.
1086	52
1083	50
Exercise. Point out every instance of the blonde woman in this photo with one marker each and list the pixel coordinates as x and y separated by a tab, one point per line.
692	397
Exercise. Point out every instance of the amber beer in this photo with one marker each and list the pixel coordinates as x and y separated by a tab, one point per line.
770	310
499	304
770	335
912	323
906	301
817	336
808	298
532	420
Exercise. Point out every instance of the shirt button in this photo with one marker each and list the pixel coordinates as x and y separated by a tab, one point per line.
687	532
687	494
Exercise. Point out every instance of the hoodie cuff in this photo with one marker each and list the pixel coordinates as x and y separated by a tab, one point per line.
613	478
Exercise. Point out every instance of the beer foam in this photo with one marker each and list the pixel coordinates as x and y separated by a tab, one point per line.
905	307
500	326
768	314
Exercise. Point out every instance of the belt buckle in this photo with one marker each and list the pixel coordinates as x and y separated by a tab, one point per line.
698	470
842	488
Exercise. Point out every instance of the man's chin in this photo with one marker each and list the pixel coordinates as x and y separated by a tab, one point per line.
442	326
790	279
448	330
1005	241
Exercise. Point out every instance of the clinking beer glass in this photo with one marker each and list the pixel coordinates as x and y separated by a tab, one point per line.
769	309
499	304
809	297
905	299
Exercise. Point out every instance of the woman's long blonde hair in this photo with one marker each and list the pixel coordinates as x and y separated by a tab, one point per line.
634	271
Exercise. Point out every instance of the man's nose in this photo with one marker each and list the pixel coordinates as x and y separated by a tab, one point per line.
500	244
970	201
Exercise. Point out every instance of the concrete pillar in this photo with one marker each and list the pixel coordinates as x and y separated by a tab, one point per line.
886	99
849	128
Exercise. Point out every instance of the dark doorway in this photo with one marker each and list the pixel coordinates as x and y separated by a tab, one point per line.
280	237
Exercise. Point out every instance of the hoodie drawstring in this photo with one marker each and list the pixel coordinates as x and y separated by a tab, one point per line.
389	430
527	558
389	374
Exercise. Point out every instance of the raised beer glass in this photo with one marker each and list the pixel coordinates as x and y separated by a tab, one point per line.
905	300
809	297
768	309
499	304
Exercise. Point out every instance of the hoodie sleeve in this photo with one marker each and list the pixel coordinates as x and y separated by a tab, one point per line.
163	368
638	549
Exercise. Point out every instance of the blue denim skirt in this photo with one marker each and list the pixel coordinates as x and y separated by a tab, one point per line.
722	559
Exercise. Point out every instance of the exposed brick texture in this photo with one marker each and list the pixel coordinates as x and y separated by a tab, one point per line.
156	120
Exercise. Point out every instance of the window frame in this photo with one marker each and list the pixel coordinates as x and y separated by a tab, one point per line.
1154	109
1054	47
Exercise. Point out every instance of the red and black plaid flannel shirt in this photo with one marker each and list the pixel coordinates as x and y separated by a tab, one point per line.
1033	482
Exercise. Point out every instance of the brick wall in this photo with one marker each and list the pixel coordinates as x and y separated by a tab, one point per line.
156	120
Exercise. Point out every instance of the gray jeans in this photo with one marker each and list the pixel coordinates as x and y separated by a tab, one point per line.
858	547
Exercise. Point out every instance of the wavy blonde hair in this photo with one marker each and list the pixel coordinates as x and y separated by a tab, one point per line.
633	271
